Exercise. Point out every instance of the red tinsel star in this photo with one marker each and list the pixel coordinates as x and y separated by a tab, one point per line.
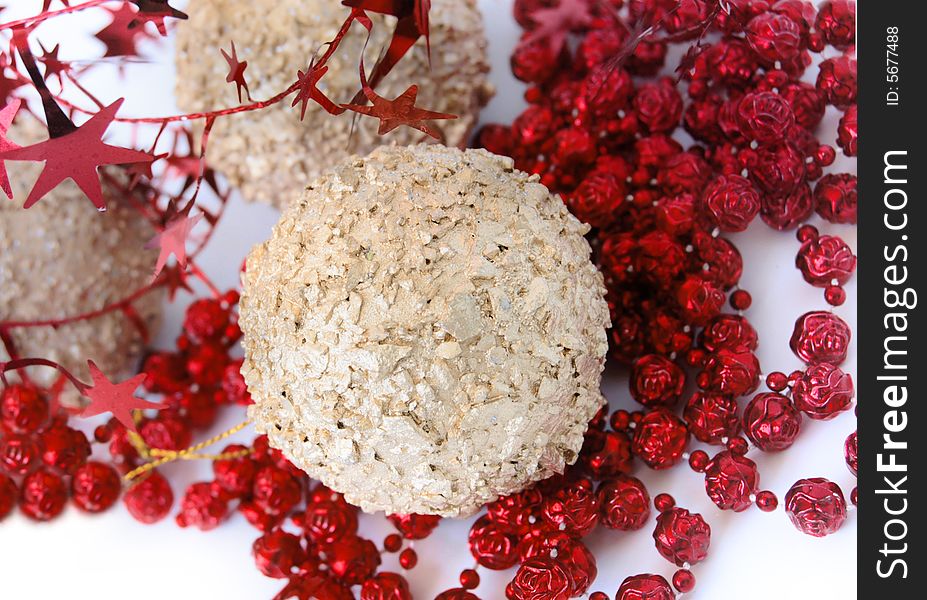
77	155
401	111
155	11
308	91
119	37
173	240
7	84
236	71
47	4
53	65
116	398
554	23
174	278
6	118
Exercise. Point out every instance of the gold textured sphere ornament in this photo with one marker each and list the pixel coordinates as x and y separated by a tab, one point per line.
424	331
270	154
62	258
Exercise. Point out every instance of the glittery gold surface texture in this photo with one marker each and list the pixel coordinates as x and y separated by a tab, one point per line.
270	154
62	258
424	331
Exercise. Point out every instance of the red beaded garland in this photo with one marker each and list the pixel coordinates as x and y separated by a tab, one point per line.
682	537
771	422
645	587
816	506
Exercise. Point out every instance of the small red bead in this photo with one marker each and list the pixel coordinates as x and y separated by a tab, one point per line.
43	495
738	446
684	581
408	558
599	596
102	434
835	295
698	460
741	300
620	420
767	501
149	500
806	233
777	381
854	496
469	579
8	495
392	542
664	502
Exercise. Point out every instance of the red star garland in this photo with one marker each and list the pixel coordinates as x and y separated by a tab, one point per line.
117	398
120	37
401	111
236	71
173	240
308	90
53	65
155	11
6	119
46	4
554	23
77	155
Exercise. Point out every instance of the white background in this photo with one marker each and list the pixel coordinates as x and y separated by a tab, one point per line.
753	555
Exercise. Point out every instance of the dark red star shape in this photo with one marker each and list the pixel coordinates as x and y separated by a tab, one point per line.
173	240
121	39
117	398
236	71
308	90
46	4
77	155
401	111
155	11
555	23
6	118
53	65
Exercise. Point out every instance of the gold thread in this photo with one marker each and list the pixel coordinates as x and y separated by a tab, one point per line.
192	453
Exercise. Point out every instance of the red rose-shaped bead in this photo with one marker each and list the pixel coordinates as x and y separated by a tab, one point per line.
534	125
731	332
823	391
820	336
325	521
656	381
579	563
149	500
730	480
386	586
276	491
607	454
658	106
352	559
837	81
43	495
730	372
202	507
95	487
816	506
605	91
659	257
19	454
826	260
836	21
764	117
513	513
771	422
574	508
806	102
540	578
573	147
540	540
848	131
777	170
851	453
712	418
682	537
645	587
456	594
235	475
233	384
835	197
789	210
64	448
774	37
624	503
598	199
660	439
731	202
206	319
491	546
699	300
276	553
415	527
534	62
166	432
22	409
8	495
685	173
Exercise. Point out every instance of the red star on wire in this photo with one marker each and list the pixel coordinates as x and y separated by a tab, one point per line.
77	155
117	398
6	118
401	111
175	279
554	23
46	4
155	11
236	71
53	65
173	240
121	39
308	90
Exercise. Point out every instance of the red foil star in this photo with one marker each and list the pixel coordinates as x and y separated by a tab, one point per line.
173	240
155	11
116	398
554	23
308	90
53	65
401	111
6	119
120	38
77	155
236	71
